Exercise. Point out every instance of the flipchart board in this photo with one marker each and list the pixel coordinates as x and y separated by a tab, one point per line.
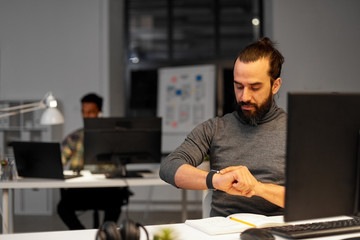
186	98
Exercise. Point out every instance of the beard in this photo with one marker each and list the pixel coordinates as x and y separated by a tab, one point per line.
254	117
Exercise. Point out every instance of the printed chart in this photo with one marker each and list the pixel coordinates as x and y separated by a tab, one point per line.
186	98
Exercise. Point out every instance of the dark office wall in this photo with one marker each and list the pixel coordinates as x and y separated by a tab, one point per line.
319	39
116	57
320	42
67	52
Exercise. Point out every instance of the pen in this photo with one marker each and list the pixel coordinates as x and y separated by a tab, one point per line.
240	221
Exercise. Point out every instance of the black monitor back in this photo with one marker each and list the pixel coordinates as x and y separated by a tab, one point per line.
322	155
129	140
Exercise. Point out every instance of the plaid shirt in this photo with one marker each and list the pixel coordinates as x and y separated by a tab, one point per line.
73	150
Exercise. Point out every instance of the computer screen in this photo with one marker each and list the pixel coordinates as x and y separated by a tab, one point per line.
322	155
121	141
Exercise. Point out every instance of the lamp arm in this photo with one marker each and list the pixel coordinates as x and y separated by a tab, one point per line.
28	105
40	106
51	116
12	112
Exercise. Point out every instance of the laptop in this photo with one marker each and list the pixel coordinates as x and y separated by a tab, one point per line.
39	160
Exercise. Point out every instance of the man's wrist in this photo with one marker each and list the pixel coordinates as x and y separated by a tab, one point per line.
209	179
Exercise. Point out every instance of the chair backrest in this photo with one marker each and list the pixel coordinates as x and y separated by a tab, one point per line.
206	203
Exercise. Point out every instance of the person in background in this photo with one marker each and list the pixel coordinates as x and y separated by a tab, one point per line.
80	199
246	147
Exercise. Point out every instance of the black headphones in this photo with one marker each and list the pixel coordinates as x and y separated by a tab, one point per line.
129	230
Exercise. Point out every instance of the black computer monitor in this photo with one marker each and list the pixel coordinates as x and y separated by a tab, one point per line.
322	164
121	141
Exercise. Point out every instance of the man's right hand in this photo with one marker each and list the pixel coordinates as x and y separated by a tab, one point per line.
236	180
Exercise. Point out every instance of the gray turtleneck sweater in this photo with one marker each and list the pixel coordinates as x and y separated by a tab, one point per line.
230	142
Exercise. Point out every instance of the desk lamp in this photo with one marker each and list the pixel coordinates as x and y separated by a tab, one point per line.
51	116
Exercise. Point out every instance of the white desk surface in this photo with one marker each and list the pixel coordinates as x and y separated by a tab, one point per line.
54	235
183	231
86	180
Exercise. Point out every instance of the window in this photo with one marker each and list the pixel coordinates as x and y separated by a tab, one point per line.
164	33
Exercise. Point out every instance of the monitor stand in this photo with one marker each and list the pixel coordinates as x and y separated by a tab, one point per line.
121	171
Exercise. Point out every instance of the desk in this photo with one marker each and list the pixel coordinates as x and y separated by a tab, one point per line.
183	231
87	180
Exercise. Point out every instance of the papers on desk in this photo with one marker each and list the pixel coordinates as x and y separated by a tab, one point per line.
234	223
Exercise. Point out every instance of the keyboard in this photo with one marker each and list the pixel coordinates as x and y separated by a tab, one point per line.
317	229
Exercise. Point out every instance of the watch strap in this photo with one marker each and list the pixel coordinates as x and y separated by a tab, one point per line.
209	179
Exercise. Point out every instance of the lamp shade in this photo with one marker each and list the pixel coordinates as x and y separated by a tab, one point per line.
51	116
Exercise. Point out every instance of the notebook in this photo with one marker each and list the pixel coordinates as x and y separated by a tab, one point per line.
39	160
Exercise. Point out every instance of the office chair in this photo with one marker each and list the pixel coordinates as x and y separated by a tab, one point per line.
206	203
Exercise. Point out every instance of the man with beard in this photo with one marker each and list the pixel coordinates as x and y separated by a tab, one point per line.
246	147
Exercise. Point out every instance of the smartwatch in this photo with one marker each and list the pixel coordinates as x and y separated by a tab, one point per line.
209	179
